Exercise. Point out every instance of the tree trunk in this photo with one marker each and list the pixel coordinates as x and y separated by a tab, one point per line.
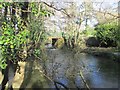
24	12
5	12
9	74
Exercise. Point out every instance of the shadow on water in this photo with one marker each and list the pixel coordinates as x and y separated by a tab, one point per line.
33	77
64	66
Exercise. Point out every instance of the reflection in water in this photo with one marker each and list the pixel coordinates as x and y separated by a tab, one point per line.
64	66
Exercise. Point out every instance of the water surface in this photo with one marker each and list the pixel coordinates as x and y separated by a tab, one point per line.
99	72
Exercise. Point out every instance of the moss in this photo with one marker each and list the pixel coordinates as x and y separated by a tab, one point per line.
59	43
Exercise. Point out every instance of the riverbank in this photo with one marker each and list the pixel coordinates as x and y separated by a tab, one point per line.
112	53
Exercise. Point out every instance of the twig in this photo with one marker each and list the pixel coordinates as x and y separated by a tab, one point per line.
106	13
61	9
82	77
56	82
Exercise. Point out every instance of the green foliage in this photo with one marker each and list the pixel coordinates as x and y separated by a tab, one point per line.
108	31
18	44
34	8
6	4
37	10
89	31
11	43
3	63
37	30
37	53
0	5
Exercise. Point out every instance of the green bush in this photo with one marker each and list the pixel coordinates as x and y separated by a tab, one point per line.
108	31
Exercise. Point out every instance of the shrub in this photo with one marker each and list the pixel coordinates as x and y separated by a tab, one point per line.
108	32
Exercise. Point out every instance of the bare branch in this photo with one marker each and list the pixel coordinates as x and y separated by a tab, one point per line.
61	9
107	13
101	5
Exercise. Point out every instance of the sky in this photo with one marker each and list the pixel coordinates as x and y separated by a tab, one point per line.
59	0
96	4
78	1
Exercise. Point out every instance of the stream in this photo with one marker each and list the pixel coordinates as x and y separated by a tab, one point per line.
64	66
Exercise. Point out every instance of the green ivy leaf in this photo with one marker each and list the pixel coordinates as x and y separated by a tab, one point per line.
3	65
1	42
1	6
11	46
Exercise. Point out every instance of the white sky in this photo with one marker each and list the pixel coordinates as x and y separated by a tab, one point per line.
80	0
62	3
59	0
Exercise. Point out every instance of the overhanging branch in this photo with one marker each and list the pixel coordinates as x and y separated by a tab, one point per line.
61	9
116	16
